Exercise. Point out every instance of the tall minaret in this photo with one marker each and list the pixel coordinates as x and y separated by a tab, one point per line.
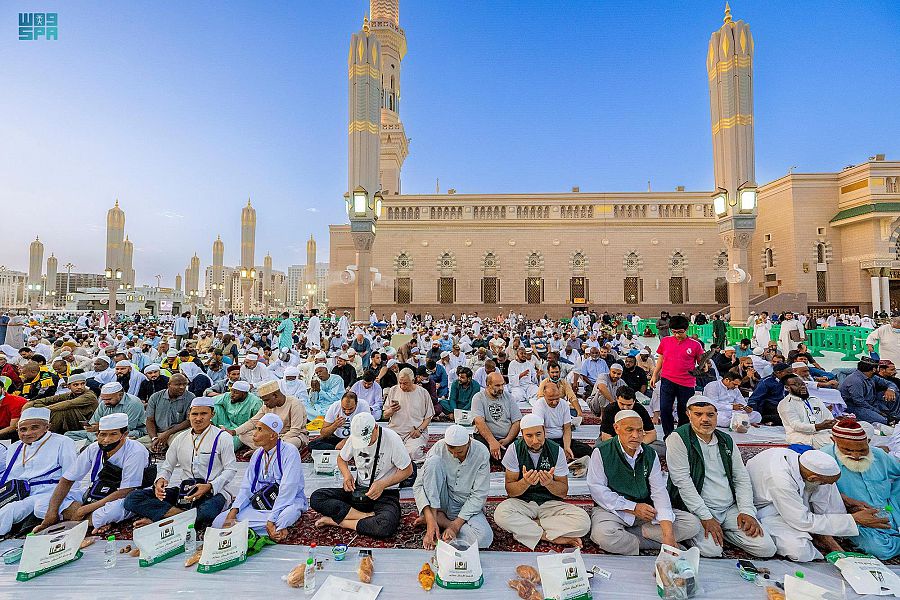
128	263
394	143
267	281
115	248
248	253
178	283
192	280
729	64
35	265
364	149
309	274
218	260
50	284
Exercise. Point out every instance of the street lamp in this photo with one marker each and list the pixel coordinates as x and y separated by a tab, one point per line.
748	194
720	202
113	277
69	266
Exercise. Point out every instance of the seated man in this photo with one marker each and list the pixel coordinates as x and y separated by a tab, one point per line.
11	407
605	389
155	381
707	477
870	397
369	502
633	510
634	376
557	420
806	419
593	366
271	497
326	389
71	408
38	471
37	381
232	374
523	378
870	479
555	376
234	408
113	399
727	397
205	463
337	422
369	391
130	379
796	501
409	409
462	390
344	370
290	410
293	385
167	413
536	482
496	416
115	464
451	489
768	393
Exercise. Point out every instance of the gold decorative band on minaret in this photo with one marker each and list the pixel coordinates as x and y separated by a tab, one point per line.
364	70
726	65
731	122
364	126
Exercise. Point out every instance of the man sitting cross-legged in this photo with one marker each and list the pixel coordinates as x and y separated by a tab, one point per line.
451	489
369	502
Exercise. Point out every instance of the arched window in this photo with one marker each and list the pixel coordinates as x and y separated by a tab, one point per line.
820	253
770	259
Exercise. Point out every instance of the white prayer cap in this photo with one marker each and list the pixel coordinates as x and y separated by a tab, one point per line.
321	355
207	401
531	420
173	353
819	463
38	413
456	435
616	367
65	354
445	354
113	422
645	352
362	425
292	372
123	363
626	414
113	387
251	357
267	388
272	421
151	367
103	357
391	363
241	386
698	399
799	365
76	377
351	352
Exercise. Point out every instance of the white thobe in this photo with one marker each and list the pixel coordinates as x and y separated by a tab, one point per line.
187	462
344	325
888	343
790	509
45	461
523	389
800	419
314	333
784	337
257	375
725	399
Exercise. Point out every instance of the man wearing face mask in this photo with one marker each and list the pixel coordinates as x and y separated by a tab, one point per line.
888	339
797	501
115	465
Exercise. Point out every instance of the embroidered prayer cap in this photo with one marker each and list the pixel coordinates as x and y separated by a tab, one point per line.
272	421
267	388
531	420
39	413
241	386
456	435
849	429
627	414
820	463
251	357
206	401
113	387
76	378
698	399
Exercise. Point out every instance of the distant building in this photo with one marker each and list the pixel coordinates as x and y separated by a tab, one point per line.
12	289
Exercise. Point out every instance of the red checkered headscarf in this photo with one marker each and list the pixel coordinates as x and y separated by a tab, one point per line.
849	429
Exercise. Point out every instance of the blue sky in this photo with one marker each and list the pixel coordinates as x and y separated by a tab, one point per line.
184	109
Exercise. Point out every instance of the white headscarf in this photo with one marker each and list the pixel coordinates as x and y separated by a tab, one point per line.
189	370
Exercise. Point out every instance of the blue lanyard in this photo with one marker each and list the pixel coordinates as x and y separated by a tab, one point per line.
259	460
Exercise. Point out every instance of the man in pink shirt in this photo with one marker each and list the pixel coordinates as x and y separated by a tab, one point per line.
678	355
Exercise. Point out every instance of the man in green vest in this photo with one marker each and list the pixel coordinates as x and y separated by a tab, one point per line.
633	511
537	482
708	478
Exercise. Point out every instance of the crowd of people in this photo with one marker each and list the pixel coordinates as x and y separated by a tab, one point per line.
143	419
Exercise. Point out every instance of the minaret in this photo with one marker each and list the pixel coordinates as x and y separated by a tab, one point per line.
248	253
363	202
50	284
178	283
309	274
394	143
128	263
729	64
192	281
35	265
267	281
115	248
218	260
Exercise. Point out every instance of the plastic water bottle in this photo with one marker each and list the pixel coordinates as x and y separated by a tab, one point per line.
109	553
190	540
309	577
312	552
